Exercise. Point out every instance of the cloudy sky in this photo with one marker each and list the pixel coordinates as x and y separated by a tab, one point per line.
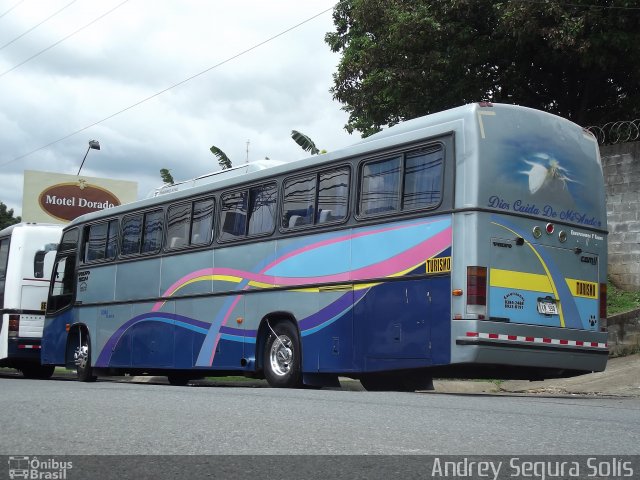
89	60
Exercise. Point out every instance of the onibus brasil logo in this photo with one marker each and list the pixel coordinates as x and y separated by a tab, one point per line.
38	468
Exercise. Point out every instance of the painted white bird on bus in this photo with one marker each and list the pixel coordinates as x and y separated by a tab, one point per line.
546	173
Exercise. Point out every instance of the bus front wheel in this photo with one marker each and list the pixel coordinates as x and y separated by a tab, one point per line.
282	356
82	358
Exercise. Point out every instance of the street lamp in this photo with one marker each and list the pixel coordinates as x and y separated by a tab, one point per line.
93	144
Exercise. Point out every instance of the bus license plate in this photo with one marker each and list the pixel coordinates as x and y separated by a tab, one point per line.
547	308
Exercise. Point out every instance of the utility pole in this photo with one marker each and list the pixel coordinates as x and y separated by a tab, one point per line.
247	159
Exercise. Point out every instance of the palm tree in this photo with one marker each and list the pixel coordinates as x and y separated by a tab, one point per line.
223	160
305	142
166	176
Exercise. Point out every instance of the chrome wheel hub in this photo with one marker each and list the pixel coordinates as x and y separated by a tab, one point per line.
281	355
80	356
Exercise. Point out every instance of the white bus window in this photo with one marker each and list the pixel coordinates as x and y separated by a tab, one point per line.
4	256
380	187
423	179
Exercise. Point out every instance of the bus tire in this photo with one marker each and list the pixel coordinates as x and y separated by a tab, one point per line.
41	372
178	380
282	356
82	359
399	383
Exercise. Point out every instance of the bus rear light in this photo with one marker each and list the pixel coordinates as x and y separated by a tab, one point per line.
537	232
477	290
550	228
14	325
603	301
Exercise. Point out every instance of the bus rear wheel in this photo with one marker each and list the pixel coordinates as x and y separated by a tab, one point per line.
282	359
82	359
396	383
178	380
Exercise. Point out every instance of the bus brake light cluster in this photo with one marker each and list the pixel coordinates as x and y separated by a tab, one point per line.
14	325
603	301
477	291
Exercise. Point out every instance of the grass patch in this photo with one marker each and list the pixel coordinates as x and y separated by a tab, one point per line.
619	301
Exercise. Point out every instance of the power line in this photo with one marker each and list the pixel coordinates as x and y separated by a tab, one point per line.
11	8
36	26
233	57
63	39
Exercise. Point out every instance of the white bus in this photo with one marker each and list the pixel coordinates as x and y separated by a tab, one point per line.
27	251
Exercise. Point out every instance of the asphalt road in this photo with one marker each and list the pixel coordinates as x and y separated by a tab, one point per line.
63	417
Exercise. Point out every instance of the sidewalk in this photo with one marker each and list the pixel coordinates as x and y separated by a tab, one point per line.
621	378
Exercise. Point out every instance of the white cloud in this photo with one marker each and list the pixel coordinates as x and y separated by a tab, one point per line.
143	47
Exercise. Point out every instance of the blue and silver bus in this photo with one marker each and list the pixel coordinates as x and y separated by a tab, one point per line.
467	243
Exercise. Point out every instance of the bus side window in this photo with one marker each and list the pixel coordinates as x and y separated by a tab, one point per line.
262	211
202	222
38	264
112	240
380	186
4	258
423	179
178	220
333	195
100	241
234	215
299	202
152	234
131	234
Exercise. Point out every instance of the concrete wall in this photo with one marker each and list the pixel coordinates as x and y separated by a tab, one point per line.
624	333
621	166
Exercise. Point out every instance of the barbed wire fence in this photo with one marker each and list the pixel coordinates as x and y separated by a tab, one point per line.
617	132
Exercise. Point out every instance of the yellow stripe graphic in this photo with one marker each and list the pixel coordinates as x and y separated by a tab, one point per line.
519	280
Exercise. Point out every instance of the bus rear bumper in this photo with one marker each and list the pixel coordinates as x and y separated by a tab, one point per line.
24	349
546	348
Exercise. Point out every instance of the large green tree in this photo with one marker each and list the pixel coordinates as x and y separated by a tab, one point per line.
6	217
405	58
